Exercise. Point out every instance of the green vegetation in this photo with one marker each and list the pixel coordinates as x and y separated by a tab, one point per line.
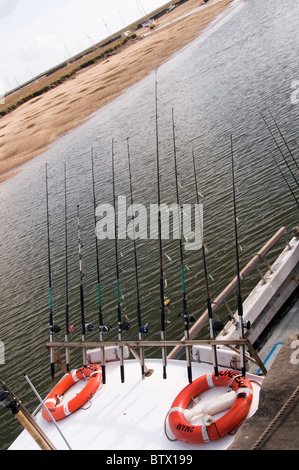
57	81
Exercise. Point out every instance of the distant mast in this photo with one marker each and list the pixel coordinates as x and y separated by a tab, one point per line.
107	29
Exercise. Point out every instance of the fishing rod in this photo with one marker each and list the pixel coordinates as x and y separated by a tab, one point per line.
101	326
67	350
277	145
119	320
286	181
162	307
84	326
208	297
140	327
286	144
185	314
240	302
49	277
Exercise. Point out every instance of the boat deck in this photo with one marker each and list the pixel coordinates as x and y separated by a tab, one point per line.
130	415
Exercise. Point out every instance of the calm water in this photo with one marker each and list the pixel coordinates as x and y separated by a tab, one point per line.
218	85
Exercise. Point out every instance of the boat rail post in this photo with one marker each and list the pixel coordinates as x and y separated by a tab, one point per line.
147	372
257	358
46	409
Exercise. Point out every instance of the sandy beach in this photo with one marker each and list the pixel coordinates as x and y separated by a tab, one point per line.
30	129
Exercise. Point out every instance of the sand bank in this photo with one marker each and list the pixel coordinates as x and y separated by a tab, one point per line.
28	131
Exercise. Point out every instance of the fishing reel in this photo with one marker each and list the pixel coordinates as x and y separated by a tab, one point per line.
105	328
190	318
89	327
125	326
7	400
55	329
218	326
144	329
246	325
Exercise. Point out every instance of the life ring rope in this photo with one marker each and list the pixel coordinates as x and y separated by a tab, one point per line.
165	428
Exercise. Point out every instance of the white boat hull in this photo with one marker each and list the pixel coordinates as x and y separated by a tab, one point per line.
270	294
131	415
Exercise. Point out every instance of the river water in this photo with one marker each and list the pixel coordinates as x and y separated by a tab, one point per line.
242	65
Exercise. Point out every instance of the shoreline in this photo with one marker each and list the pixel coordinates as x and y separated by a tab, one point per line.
30	129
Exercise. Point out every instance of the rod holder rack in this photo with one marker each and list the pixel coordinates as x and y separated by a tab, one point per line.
161	343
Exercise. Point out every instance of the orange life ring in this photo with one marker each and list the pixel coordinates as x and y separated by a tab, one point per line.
186	432
93	371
